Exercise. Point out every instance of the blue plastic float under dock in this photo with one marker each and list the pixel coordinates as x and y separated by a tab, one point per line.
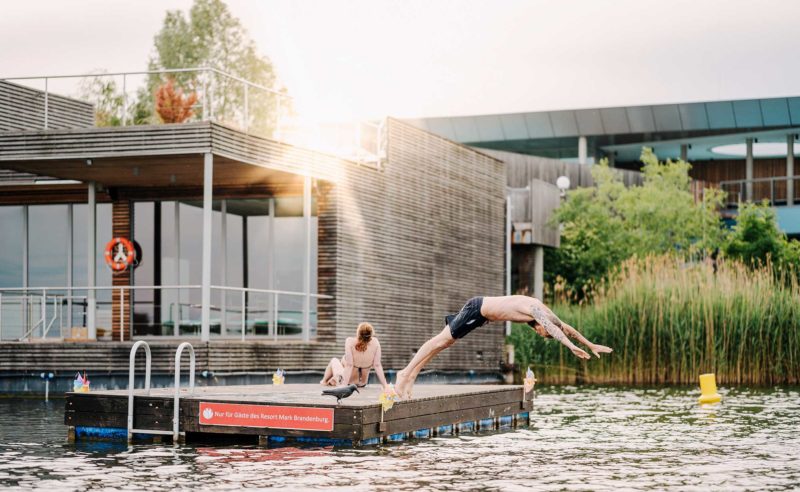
299	412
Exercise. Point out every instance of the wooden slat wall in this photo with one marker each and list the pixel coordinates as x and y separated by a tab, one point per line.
535	204
220	357
522	168
414	242
327	260
121	213
22	108
165	140
733	169
261	151
715	171
187	138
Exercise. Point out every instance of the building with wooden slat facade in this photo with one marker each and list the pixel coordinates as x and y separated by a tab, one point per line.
264	254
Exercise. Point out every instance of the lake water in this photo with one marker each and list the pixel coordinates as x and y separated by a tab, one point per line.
581	438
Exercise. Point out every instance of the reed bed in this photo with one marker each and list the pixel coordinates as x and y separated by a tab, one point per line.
669	321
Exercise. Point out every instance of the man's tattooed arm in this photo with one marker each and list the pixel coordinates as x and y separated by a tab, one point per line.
576	335
541	316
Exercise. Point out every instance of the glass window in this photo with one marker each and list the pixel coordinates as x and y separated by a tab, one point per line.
79	267
146	319
47	239
11	244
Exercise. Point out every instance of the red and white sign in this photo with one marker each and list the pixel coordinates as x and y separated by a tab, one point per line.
275	417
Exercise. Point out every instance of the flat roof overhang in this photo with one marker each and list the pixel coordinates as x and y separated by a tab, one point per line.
166	156
555	133
698	148
713	116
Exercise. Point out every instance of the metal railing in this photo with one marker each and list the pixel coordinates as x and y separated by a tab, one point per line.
44	314
207	86
777	190
233	101
32	313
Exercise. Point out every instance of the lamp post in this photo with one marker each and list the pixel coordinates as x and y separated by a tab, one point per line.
562	183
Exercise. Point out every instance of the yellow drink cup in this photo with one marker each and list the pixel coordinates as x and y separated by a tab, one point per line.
708	389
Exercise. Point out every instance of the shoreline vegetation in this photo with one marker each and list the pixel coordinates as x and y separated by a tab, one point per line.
670	320
655	272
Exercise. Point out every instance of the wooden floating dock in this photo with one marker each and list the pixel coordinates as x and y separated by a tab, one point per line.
300	413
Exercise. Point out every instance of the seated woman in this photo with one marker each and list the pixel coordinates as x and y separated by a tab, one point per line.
361	353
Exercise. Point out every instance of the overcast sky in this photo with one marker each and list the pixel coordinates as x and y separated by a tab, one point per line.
372	58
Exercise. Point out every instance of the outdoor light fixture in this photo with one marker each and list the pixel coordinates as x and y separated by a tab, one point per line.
88	162
760	149
562	183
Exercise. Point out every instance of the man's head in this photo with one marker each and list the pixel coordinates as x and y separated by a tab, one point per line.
539	329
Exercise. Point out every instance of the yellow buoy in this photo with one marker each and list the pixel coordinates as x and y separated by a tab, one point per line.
708	389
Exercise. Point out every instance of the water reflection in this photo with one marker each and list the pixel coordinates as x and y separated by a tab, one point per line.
581	438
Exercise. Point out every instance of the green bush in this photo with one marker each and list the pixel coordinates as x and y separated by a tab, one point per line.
608	223
757	240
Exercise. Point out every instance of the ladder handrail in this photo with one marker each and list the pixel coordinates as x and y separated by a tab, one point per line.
131	364
176	404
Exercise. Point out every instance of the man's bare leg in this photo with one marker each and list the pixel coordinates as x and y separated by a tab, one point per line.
406	376
413	378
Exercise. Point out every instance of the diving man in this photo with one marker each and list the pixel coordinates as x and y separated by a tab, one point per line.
481	310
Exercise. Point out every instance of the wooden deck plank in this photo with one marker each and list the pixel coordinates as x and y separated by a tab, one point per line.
311	394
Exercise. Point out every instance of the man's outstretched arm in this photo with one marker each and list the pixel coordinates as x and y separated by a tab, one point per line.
576	335
542	317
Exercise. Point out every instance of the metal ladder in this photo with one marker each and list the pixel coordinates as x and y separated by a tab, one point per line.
176	404
176	411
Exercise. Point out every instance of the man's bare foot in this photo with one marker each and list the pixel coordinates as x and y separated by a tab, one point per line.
402	384
410	388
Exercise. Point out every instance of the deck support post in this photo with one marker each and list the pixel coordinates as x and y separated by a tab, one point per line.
307	259
508	256
538	272
26	321
272	305
748	169
790	169
70	240
583	154
208	180
176	227
91	244
224	259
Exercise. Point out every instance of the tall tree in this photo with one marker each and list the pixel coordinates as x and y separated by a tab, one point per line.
212	37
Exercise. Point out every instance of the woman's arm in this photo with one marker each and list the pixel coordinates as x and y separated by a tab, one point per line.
376	363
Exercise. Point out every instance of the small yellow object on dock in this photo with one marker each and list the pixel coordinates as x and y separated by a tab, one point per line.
708	389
